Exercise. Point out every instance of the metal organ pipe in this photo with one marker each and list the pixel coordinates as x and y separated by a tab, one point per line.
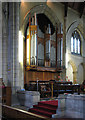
35	40
48	31
35	19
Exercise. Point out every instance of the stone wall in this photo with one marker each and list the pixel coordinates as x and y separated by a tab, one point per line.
75	106
74	22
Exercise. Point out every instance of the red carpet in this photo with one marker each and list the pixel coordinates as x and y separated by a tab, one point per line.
45	108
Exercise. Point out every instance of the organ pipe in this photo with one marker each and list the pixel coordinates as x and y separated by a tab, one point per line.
32	41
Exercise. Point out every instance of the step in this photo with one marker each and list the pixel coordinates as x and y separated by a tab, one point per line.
42	112
53	104
46	108
39	114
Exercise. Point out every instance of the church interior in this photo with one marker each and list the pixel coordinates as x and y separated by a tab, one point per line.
42	60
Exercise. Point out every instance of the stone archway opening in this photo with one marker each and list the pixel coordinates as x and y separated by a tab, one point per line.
40	9
69	72
74	71
80	75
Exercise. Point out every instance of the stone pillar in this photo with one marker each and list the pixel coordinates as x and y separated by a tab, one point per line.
0	40
64	48
74	77
84	71
64	42
15	71
13	54
4	42
0	53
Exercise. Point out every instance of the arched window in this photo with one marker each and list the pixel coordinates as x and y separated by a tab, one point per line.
75	43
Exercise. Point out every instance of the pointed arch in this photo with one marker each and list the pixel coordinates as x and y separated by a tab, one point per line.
80	75
40	9
74	71
73	66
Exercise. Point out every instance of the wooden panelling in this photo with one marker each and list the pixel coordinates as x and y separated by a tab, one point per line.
36	75
6	95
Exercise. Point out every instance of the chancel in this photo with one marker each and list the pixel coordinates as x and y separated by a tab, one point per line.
42	60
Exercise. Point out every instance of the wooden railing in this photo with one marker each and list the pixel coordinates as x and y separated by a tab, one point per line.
9	112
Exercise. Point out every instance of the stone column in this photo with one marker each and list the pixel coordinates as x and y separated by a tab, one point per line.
10	44
13	46
0	53
15	71
84	71
4	41
64	42
64	47
0	39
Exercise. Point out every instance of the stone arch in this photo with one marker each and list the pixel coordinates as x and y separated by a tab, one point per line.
74	71
75	26
70	30
69	70
41	9
84	70
81	29
73	66
80	75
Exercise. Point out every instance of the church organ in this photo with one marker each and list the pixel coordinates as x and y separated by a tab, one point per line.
44	47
